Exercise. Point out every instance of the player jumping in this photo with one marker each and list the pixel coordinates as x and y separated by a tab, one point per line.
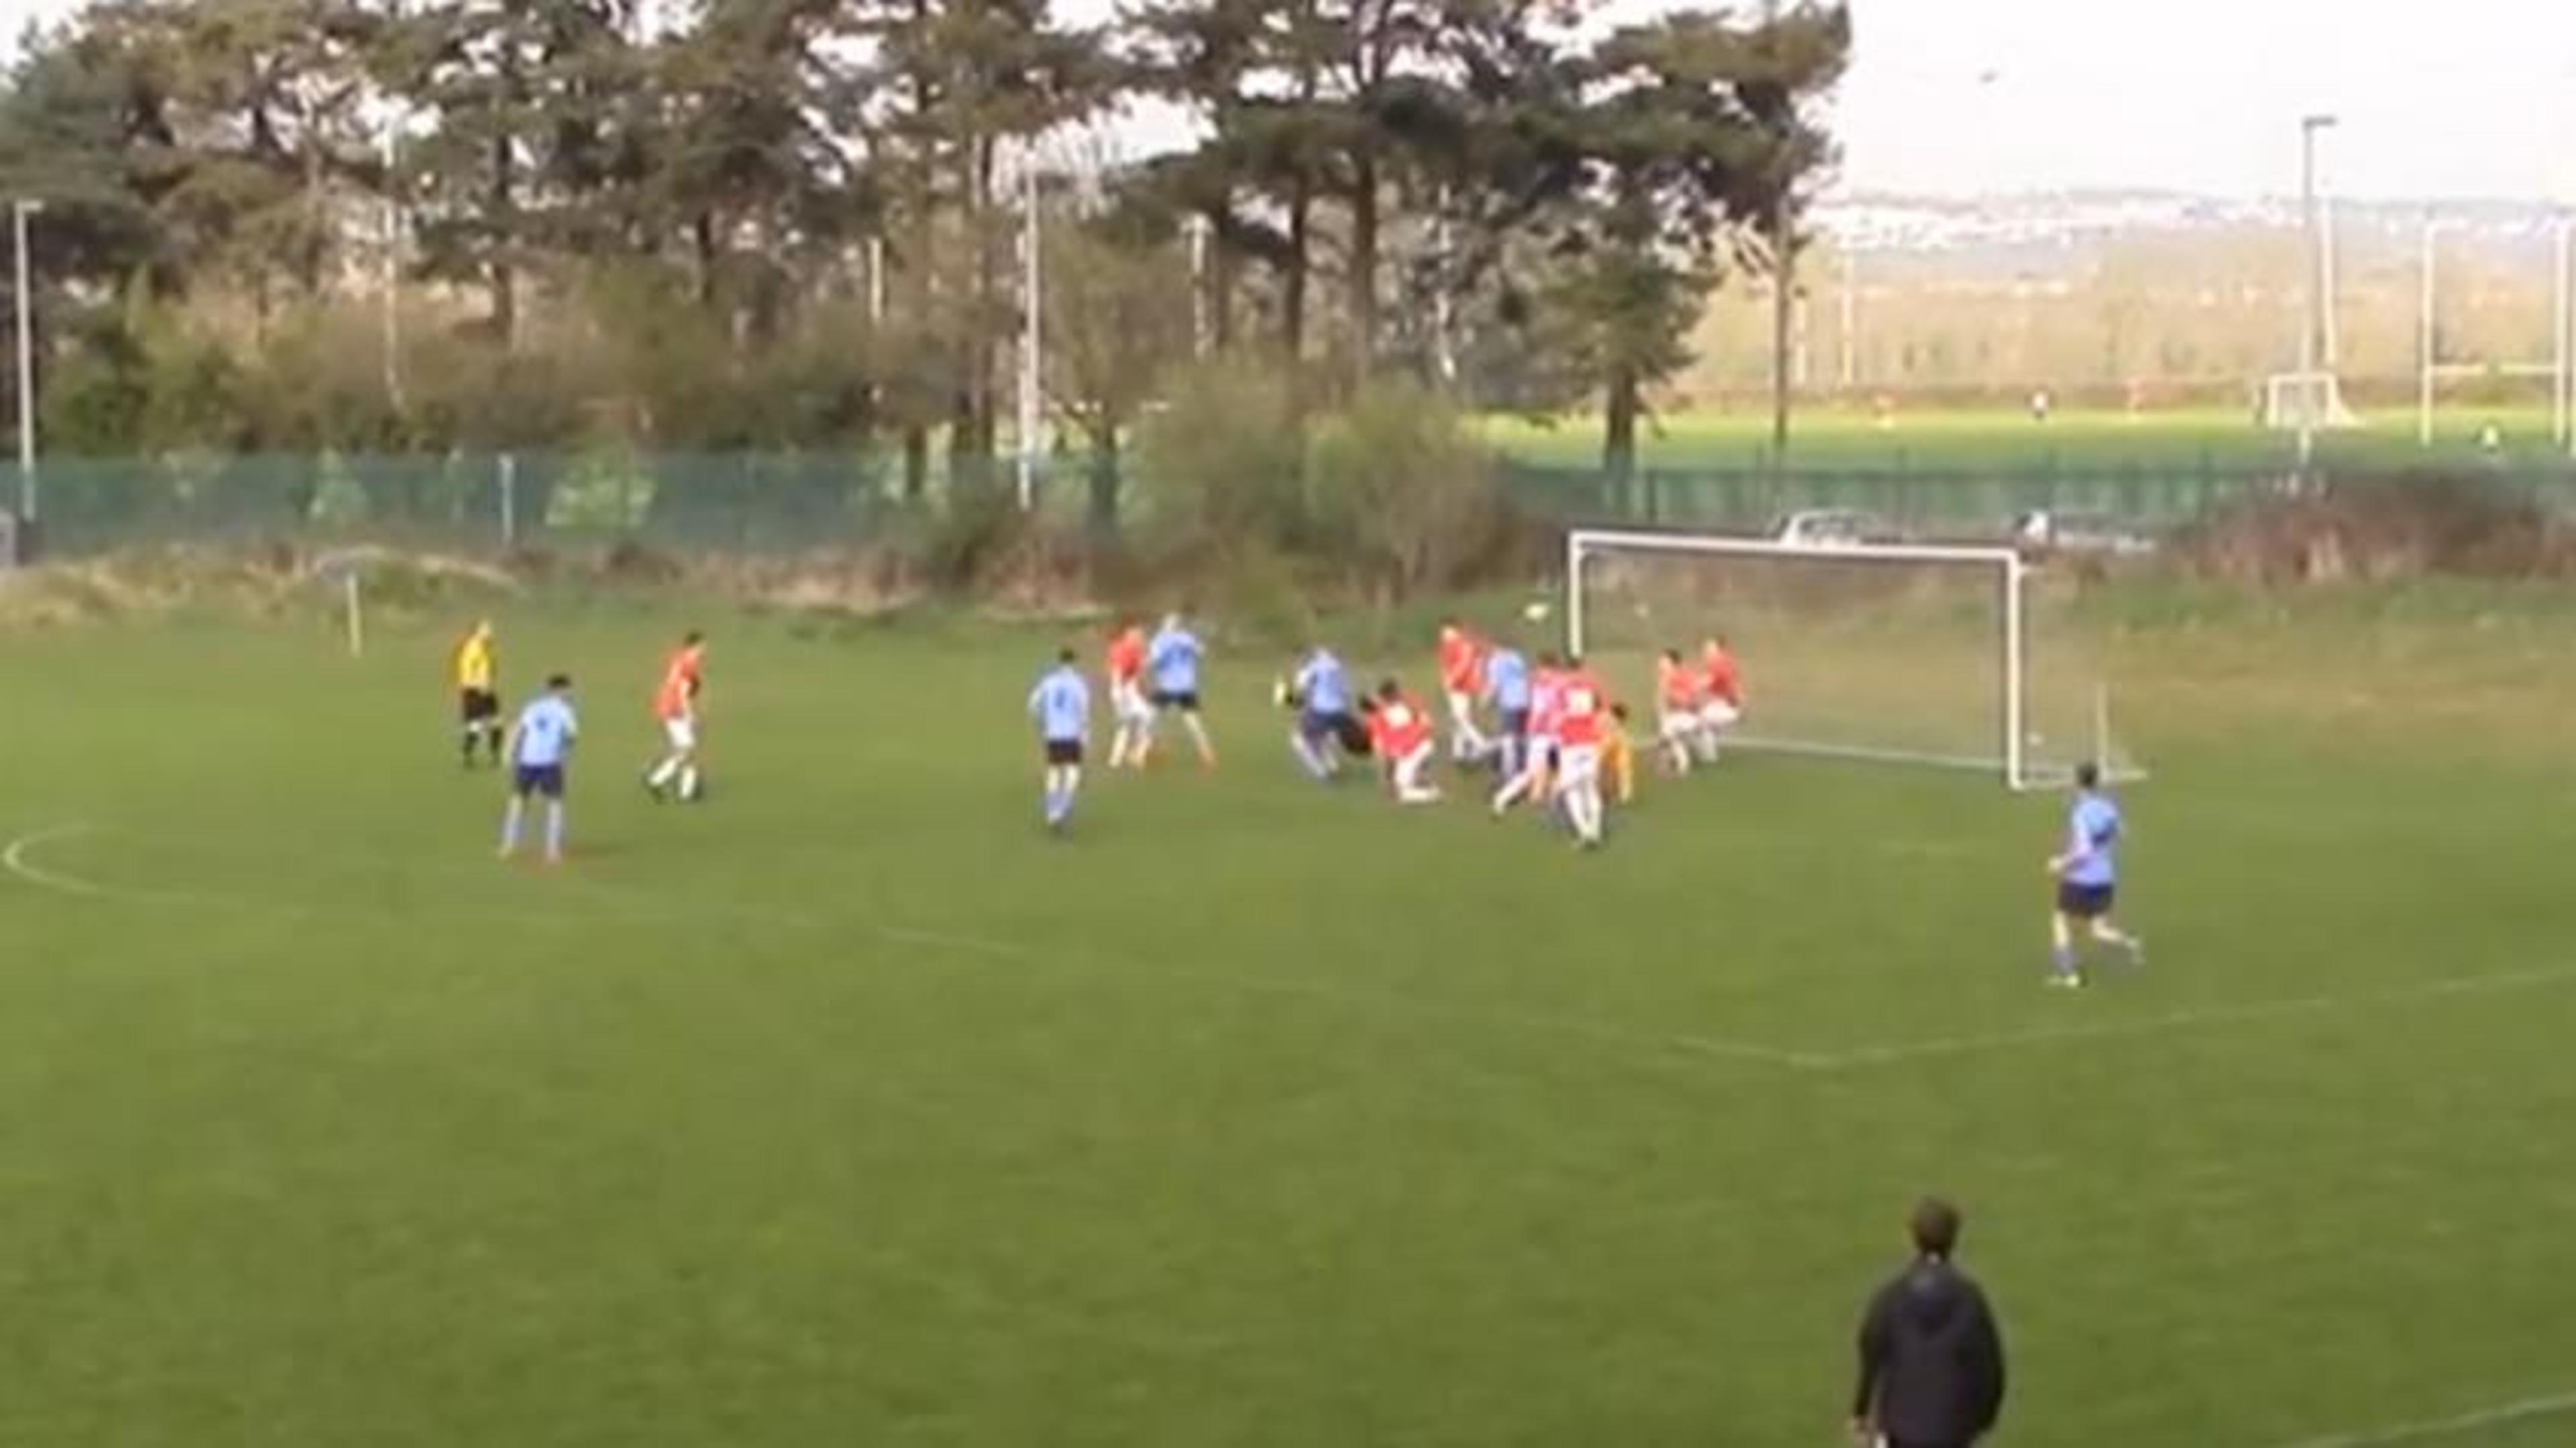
1462	668
1128	705
1173	656
478	703
676	705
1402	736
1061	705
2087	878
539	747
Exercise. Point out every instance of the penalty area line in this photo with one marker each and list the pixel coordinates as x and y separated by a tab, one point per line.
2528	1410
2178	1021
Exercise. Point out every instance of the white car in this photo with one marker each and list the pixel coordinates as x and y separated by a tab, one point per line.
2094	533
1828	528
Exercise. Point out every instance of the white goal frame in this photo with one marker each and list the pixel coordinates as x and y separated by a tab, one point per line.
2011	573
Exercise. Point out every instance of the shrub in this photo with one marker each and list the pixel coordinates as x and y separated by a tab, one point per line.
2381	527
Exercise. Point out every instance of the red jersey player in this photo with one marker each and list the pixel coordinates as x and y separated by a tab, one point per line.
675	704
1401	734
1547	702
1582	726
1725	702
1128	704
1462	681
1681	699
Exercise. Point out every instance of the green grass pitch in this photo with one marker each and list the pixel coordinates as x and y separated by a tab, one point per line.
846	1108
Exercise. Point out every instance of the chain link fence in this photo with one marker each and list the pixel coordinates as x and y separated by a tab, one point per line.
776	502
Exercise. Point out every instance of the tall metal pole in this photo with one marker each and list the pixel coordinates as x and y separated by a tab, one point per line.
2566	314
393	265
1029	334
19	211
1200	331
1851	318
2424	339
2313	327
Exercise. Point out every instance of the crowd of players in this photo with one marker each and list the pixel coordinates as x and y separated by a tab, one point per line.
1545	729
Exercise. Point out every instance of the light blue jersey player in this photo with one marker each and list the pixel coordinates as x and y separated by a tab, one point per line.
1507	689
2088	880
1061	705
1322	693
539	749
1172	658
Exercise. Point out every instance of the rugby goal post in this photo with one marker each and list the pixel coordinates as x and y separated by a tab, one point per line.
1918	654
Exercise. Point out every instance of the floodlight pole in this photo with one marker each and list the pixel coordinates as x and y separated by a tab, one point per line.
19	211
2566	315
2314	326
393	262
2425	336
1030	337
1200	332
1851	318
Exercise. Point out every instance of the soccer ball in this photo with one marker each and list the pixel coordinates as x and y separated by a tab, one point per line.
1536	612
1282	693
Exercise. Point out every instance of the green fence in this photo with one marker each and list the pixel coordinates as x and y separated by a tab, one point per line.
1939	501
750	502
781	502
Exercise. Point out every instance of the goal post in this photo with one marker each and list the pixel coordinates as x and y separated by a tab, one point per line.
1924	654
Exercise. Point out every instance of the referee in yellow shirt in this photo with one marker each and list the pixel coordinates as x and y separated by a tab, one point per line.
478	702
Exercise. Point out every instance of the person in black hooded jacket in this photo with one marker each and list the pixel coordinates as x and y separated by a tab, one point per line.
1931	1359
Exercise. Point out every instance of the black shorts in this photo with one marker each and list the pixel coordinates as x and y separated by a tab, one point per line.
2084	902
1515	723
1064	751
478	706
540	779
1184	700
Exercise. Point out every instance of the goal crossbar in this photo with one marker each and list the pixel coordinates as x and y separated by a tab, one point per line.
2011	573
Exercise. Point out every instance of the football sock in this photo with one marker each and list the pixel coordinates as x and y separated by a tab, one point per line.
1310	757
510	826
554	829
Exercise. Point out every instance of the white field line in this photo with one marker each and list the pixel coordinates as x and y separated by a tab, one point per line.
2192	1020
2526	1411
16	859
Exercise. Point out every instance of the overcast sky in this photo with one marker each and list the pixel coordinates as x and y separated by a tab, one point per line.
2436	97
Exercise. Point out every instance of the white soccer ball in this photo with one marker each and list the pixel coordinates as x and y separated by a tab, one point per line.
1537	612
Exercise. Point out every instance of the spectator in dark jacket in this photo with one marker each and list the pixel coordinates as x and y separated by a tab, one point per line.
1931	1360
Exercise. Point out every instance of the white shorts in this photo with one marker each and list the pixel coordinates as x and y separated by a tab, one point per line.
1462	707
1719	714
1127	700
1577	765
1680	724
682	732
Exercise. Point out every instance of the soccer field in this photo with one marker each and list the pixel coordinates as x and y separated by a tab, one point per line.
848	1108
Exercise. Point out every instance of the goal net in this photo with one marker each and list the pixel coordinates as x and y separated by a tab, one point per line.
2314	400
1963	657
